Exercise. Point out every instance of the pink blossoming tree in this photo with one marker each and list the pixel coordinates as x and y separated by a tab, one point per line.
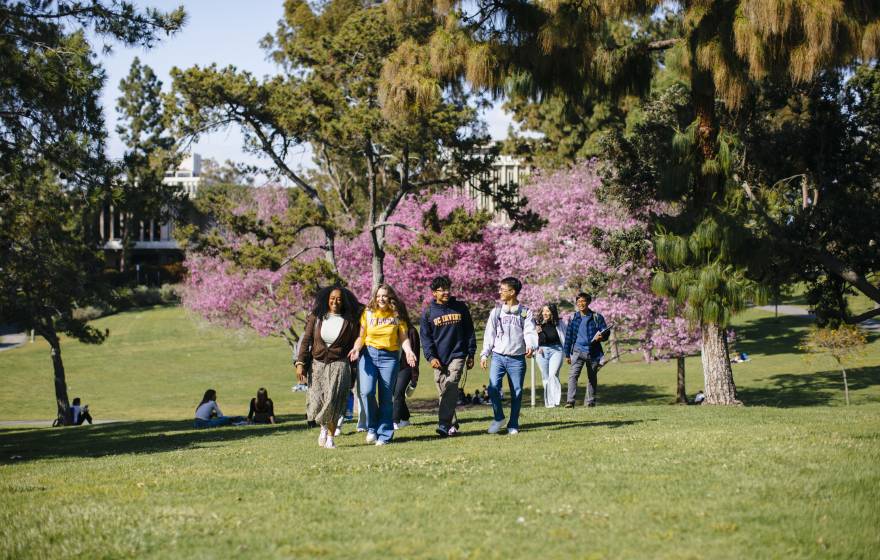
418	253
590	244
247	272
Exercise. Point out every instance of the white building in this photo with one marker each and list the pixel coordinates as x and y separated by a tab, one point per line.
506	170
154	241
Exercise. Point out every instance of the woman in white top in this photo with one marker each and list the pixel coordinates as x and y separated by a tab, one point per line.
209	415
330	334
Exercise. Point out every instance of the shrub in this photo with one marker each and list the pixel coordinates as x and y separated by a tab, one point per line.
144	296
91	312
170	293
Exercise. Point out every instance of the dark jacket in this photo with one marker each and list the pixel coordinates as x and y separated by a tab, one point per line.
414	341
312	346
448	332
595	323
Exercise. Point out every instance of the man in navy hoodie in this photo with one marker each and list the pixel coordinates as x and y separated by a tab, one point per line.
449	344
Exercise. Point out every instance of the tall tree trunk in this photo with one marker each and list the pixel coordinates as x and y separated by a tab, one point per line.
680	391
330	248
615	346
61	399
719	387
378	261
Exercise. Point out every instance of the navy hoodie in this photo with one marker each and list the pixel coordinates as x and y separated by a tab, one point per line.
448	332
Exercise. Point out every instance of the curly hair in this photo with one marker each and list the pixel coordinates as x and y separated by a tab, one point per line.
351	307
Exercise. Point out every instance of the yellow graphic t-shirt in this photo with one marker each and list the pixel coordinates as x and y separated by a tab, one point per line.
381	329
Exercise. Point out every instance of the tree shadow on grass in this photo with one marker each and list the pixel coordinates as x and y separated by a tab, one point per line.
124	438
809	389
767	336
532	426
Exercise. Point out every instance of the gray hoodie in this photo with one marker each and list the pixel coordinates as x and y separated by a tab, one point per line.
510	333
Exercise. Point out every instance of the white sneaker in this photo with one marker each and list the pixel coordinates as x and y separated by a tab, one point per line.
396	426
371	437
361	429
452	431
495	426
512	431
402	424
338	432
378	443
322	438
329	444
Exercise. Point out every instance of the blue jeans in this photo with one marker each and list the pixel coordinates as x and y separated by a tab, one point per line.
215	422
378	368
515	368
549	360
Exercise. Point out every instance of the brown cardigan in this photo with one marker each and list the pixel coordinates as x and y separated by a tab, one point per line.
313	344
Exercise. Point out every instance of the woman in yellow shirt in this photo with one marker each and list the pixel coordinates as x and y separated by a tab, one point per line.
384	324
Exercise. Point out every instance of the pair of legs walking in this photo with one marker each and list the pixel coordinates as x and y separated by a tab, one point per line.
549	360
378	375
447	379
401	411
578	361
514	367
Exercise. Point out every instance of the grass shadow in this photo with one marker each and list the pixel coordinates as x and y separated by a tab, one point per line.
124	438
809	389
768	336
530	426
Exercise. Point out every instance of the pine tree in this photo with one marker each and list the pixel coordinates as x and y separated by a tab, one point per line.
723	47
53	173
139	195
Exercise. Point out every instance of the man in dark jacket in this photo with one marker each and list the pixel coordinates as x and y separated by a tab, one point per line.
449	344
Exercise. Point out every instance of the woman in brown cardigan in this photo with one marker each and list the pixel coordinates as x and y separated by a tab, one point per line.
331	331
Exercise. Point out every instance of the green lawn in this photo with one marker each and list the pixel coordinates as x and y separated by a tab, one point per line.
793	474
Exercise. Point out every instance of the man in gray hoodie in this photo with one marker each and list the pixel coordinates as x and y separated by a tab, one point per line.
510	338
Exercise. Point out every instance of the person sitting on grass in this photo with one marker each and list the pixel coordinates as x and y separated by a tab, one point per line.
80	413
262	409
209	415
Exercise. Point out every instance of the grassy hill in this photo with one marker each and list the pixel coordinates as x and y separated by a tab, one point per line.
792	474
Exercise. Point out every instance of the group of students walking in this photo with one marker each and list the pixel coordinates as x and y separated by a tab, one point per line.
376	347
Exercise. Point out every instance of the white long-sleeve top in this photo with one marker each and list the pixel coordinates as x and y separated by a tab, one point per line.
510	331
205	409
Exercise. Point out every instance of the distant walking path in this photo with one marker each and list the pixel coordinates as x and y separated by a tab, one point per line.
10	339
872	325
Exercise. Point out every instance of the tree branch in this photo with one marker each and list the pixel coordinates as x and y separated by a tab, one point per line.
825	258
662	45
394	224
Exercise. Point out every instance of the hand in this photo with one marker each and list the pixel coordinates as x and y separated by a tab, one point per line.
300	373
470	362
354	354
411	359
568	360
529	353
484	361
435	363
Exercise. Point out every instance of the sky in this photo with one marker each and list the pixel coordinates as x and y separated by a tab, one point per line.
226	32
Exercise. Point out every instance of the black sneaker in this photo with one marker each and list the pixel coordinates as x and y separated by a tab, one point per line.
569	405
442	431
591	405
